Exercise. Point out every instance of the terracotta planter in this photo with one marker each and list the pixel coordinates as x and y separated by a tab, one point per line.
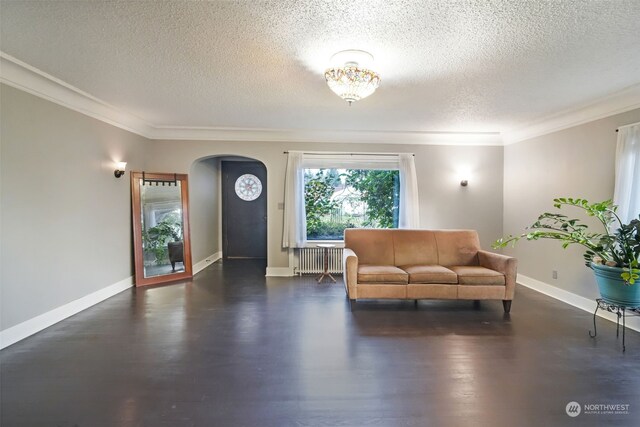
612	287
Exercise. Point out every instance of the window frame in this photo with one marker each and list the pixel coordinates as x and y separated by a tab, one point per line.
365	166
294	227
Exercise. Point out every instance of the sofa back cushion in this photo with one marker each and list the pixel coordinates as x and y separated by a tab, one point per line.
373	247
415	247
457	247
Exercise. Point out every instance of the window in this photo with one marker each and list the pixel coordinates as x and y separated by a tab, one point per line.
337	190
336	199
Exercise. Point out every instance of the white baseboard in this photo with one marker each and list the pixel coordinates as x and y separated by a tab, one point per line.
201	265
279	272
575	300
29	327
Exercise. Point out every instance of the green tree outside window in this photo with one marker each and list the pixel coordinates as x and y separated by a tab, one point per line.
336	199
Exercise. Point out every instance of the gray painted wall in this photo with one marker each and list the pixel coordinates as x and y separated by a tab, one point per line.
204	199
575	162
443	202
65	219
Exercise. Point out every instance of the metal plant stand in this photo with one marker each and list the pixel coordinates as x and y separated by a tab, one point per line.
620	312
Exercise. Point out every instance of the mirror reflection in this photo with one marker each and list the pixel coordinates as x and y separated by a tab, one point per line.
160	207
162	228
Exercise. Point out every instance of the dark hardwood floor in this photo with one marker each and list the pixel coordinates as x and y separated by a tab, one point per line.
233	348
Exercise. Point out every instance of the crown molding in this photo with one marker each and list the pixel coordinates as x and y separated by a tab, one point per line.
332	136
619	102
20	75
25	77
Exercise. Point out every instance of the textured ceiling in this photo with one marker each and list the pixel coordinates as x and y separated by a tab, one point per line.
467	65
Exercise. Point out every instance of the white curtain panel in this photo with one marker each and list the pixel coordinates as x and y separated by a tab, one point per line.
409	215
294	233
627	190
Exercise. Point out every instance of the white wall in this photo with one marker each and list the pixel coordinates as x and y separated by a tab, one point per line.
575	162
65	219
204	201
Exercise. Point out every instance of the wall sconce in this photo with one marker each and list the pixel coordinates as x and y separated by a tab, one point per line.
120	168
463	173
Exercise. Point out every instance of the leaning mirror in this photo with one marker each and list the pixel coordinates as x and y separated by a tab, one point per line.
160	207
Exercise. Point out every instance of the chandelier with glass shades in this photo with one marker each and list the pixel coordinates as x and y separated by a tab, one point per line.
350	80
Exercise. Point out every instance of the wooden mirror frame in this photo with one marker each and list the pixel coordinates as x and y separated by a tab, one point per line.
136	210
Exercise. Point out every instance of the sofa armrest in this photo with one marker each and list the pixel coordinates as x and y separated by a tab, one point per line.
504	264
350	272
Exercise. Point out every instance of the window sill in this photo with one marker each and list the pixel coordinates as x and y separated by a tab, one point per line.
313	243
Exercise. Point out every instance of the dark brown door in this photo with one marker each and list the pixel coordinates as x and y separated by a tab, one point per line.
244	216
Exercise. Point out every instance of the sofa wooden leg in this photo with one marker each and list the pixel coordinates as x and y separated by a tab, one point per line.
415	302
352	304
506	303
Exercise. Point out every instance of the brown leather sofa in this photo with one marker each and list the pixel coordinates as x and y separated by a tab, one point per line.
425	264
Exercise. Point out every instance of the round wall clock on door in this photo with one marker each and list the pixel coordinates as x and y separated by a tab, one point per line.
248	187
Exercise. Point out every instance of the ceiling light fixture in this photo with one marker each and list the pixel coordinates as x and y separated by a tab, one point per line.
350	80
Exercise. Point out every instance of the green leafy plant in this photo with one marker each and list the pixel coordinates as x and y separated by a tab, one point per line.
336	199
619	248
317	200
379	190
330	230
155	238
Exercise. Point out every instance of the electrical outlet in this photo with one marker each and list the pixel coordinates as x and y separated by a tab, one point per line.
554	274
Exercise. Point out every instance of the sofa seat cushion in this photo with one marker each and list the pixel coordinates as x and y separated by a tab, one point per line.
430	274
382	274
476	275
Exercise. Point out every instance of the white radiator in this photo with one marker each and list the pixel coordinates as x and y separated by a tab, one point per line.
310	260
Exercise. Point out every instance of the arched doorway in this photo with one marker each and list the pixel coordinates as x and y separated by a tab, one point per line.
208	216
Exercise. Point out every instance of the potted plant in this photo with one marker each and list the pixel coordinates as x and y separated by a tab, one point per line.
156	238
613	253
